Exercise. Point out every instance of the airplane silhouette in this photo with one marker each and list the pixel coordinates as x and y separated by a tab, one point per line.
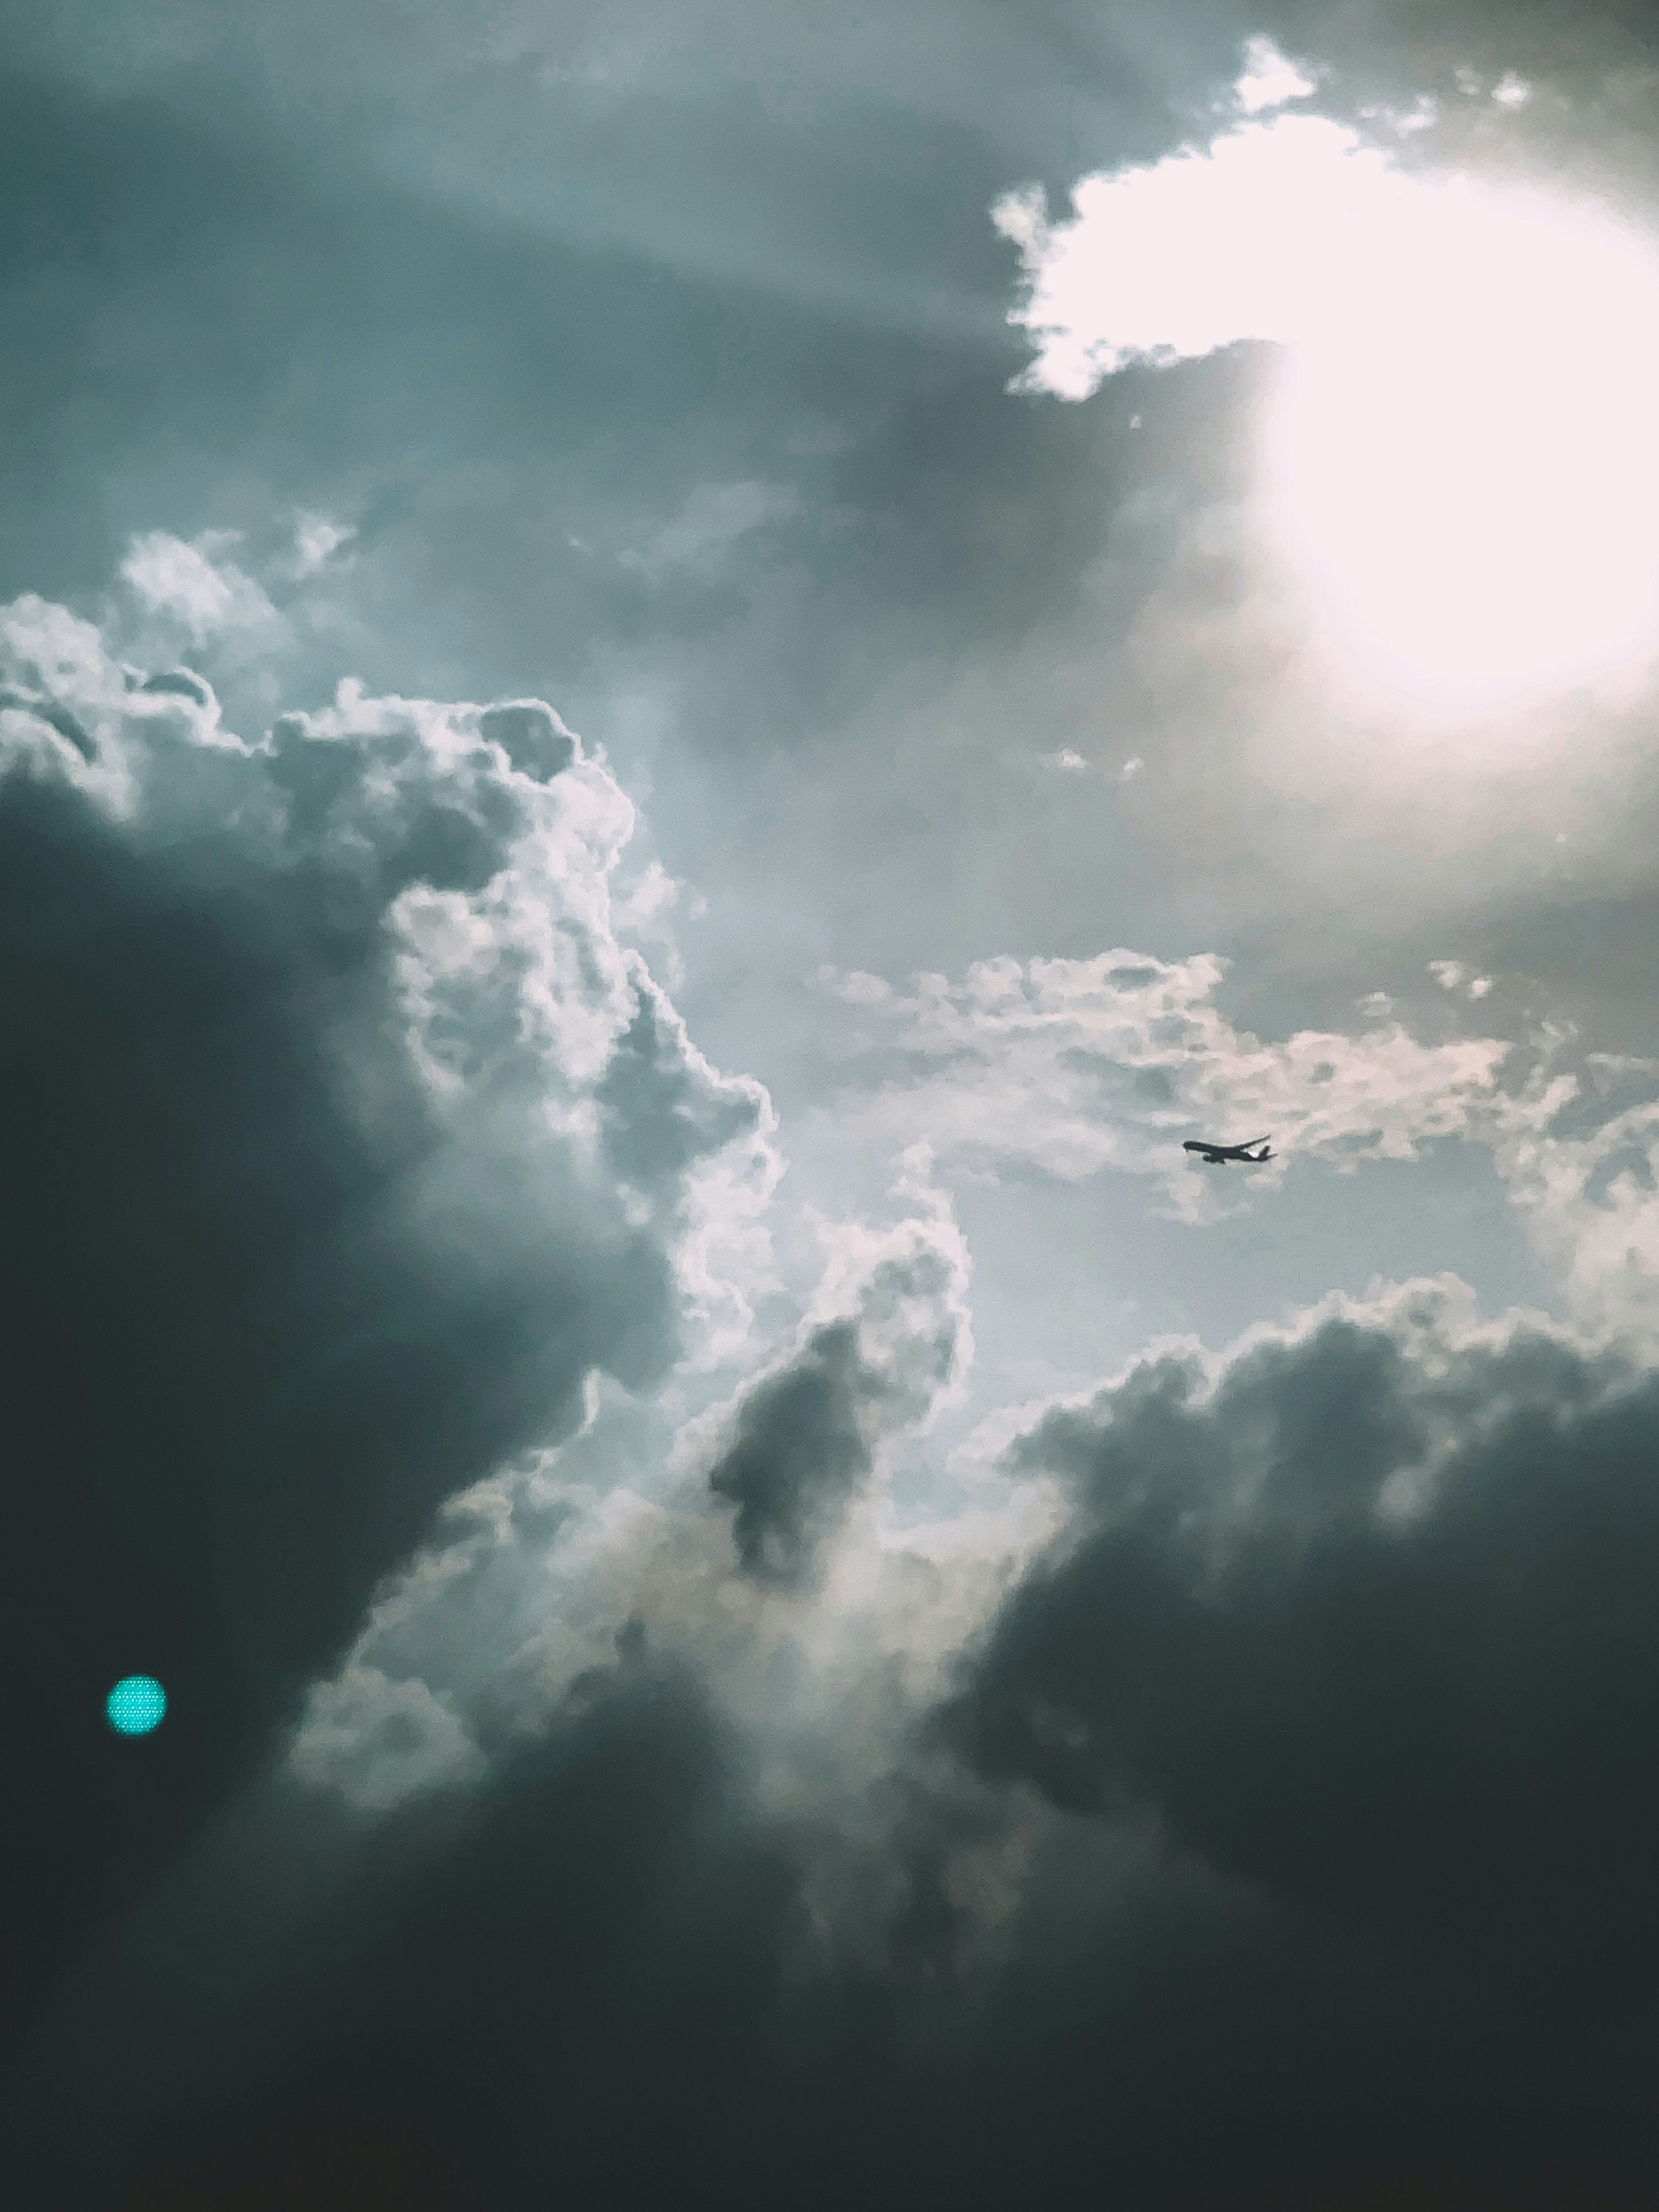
1217	1155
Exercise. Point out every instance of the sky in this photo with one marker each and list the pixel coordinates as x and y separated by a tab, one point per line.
679	687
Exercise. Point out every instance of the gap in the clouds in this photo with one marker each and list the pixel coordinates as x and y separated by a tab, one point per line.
1072	1280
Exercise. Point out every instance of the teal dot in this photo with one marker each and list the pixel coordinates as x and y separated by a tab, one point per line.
135	1704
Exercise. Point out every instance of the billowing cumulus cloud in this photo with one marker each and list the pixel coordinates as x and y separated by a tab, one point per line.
532	1575
804	1438
1199	251
393	1142
1363	1610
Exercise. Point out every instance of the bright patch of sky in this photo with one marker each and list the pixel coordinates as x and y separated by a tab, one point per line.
1460	458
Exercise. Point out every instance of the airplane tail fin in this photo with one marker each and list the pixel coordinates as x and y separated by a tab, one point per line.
1265	1153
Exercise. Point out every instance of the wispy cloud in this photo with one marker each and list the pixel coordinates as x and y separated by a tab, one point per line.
1077	1065
1269	78
710	523
1452	976
317	539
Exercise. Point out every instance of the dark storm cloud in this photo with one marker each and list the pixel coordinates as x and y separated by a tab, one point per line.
798	1453
1368	1618
1297	1853
301	1232
1287	1835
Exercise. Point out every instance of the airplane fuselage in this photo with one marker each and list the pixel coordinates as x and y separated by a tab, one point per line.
1221	1156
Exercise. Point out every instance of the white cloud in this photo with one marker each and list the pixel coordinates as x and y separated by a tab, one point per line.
195	585
1579	1152
1437	326
642	913
1281	230
1270	78
1510	90
1452	976
1168	260
486	840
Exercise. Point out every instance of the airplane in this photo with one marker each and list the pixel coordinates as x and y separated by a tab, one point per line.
1217	1155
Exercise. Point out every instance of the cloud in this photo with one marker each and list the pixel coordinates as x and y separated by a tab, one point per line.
391	1142
379	1741
316	540
1360	1609
1076	1066
194	584
1452	976
1578	1149
798	1453
1170	260
528	1580
1281	227
804	1438
1270	78
1308	1738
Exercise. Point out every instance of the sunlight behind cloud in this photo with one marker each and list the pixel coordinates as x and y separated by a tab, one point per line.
1459	457
1462	452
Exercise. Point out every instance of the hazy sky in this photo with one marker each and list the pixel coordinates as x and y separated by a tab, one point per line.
678	685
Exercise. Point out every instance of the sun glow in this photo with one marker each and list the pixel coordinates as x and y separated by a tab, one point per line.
1462	449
